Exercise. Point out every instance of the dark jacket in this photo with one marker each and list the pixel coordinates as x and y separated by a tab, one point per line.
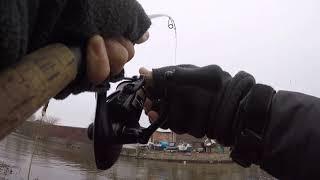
280	132
292	140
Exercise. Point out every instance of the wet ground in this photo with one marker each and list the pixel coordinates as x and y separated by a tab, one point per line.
52	160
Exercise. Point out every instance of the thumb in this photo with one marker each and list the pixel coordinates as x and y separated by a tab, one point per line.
145	72
147	75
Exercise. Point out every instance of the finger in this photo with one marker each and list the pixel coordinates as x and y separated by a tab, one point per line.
118	55
153	116
147	74
147	105
97	60
143	71
143	38
128	45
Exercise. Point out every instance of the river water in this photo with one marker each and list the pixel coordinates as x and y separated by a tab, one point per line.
52	160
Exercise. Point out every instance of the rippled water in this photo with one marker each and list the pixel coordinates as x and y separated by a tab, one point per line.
54	160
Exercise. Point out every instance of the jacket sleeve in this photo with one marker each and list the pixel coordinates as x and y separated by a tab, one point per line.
292	138
16	20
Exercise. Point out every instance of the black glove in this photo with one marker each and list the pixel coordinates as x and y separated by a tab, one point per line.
29	25
72	22
81	19
200	101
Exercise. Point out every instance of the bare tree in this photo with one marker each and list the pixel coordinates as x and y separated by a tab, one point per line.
43	125
51	120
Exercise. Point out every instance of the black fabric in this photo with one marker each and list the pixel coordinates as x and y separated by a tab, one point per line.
292	139
256	107
223	115
79	19
201	98
251	122
14	30
280	131
186	103
26	25
161	78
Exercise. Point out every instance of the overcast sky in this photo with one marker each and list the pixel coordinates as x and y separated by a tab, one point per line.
277	41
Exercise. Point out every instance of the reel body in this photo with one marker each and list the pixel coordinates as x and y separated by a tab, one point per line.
117	121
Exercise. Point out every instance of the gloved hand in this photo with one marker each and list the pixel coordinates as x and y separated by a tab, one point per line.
121	23
104	62
74	22
199	101
105	30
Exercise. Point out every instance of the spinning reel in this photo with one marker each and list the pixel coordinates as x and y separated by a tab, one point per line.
117	121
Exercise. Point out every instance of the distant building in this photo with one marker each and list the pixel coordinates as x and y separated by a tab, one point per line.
176	138
186	138
167	136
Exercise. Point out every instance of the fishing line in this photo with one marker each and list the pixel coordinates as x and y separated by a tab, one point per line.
171	25
37	134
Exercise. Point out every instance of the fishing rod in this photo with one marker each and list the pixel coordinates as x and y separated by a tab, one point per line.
44	73
30	83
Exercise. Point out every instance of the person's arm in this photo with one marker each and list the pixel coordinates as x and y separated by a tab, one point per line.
279	131
292	137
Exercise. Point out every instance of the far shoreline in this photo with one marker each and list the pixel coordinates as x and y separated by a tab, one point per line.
192	157
76	139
